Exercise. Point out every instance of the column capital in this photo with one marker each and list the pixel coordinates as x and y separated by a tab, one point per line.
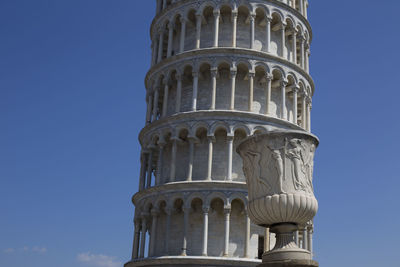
268	76
193	139
155	212
227	209
230	137
144	216
137	222
183	20
283	82
171	25
235	14
160	30
216	13
214	71
283	25
211	138
151	147
252	74
233	71
253	16
206	209
195	74
268	18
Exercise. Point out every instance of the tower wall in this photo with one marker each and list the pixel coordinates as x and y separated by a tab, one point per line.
221	71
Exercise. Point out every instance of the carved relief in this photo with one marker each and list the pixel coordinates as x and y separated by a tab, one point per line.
279	163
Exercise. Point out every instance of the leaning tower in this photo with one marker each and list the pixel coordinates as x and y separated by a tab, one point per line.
221	70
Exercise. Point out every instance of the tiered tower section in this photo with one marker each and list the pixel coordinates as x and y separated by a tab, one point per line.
222	70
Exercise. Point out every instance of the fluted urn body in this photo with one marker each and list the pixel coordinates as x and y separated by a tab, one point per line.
279	171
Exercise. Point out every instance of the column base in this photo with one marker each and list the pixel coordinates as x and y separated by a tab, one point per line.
290	263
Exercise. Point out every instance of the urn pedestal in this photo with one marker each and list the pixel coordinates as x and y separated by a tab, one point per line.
279	170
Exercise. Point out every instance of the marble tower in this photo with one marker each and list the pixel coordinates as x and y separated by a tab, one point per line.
221	71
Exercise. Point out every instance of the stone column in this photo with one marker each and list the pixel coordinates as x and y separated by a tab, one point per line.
165	101
234	27
178	93
161	145
173	159
294	47
206	209
195	87
211	139
168	211
252	29
295	90
310	239
305	245
267	240
296	238
153	238
268	20
283	39
227	213
170	38
143	167
268	78
305	9
233	85
149	108
164	4
302	40
214	72
283	99
135	250
149	166
308	60
309	114
186	211
301	6
191	158
143	239
153	51
183	35
229	139
159	7
303	111
247	236
160	45
216	27
155	104
251	90
198	30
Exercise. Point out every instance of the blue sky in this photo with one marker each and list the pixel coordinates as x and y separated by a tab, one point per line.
72	104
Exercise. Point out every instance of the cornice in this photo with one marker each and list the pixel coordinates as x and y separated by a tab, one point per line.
227	52
284	6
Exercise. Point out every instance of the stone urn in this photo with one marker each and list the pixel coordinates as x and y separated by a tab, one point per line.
279	172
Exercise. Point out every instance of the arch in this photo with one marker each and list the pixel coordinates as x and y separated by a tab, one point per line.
173	198
243	127
259	130
278	69
200	125
160	199
293	76
238	196
193	196
181	127
264	8
216	195
205	5
219	125
277	13
263	65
